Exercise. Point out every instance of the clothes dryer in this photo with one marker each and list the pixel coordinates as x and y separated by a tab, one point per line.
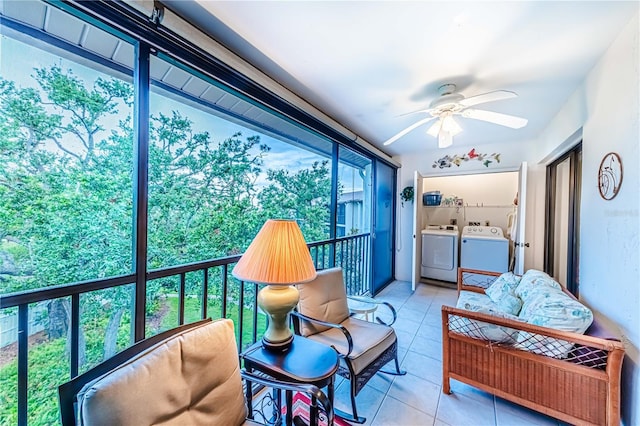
484	248
440	252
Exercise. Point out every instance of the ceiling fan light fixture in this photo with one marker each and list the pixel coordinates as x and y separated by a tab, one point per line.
450	125
435	129
445	139
445	123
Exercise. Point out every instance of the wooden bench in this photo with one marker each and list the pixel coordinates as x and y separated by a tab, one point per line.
583	388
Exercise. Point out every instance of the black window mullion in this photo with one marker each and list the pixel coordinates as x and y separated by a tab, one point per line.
205	293
181	297
75	334
141	76
333	208
23	365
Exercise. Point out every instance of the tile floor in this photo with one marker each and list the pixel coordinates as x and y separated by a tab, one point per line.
416	398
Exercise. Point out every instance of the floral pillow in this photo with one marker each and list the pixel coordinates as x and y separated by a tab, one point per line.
531	280
549	307
481	303
501	292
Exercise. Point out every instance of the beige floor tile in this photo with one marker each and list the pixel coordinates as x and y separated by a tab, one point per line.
395	413
423	366
508	413
460	410
368	400
416	392
427	347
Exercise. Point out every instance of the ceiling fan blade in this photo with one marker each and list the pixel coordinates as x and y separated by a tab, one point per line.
407	130
498	95
414	112
496	117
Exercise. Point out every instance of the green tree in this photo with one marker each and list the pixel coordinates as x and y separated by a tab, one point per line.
304	195
66	178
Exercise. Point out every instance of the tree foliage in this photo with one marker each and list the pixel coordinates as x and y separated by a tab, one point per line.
66	194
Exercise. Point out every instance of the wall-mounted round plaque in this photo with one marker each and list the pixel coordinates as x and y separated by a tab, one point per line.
610	176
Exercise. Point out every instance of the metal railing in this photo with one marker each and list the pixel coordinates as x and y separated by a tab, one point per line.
193	280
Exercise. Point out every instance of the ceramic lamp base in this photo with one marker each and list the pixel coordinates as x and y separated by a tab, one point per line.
277	302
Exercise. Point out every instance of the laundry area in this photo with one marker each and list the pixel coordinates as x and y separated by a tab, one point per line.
466	220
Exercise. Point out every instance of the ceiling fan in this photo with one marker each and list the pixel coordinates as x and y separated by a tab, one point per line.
449	104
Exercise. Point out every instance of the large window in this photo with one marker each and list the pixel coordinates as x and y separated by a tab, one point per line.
66	211
217	171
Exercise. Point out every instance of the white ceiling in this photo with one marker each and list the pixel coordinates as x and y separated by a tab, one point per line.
365	63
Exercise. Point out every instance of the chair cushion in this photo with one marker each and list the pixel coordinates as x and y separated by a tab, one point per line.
324	298
370	340
190	378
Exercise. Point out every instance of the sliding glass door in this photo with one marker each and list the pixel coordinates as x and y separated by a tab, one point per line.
383	230
563	219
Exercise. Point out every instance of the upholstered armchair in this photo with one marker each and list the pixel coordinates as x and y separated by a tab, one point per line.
188	375
364	347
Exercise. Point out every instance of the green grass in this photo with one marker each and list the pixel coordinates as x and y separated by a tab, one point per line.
192	307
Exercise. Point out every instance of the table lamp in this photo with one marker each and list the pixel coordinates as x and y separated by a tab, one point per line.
278	257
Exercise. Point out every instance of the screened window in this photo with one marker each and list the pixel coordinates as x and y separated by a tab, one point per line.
66	215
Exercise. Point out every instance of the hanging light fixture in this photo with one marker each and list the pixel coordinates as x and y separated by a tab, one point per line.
445	129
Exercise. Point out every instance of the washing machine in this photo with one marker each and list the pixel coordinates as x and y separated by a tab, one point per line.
485	248
440	252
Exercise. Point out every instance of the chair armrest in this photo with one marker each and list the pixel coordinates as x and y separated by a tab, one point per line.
311	390
367	299
346	333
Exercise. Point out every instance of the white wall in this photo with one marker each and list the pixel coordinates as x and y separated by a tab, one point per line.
610	230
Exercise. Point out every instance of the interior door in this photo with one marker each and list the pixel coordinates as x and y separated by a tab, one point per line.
416	260
520	241
383	237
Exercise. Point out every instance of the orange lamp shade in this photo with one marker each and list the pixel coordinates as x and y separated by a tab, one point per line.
278	255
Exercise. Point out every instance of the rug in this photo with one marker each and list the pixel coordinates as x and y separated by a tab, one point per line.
301	408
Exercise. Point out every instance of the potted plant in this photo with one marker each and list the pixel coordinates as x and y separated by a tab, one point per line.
407	194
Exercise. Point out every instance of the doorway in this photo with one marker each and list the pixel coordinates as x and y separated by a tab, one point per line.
562	228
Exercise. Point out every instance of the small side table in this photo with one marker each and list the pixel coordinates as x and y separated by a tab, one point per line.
306	362
362	305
